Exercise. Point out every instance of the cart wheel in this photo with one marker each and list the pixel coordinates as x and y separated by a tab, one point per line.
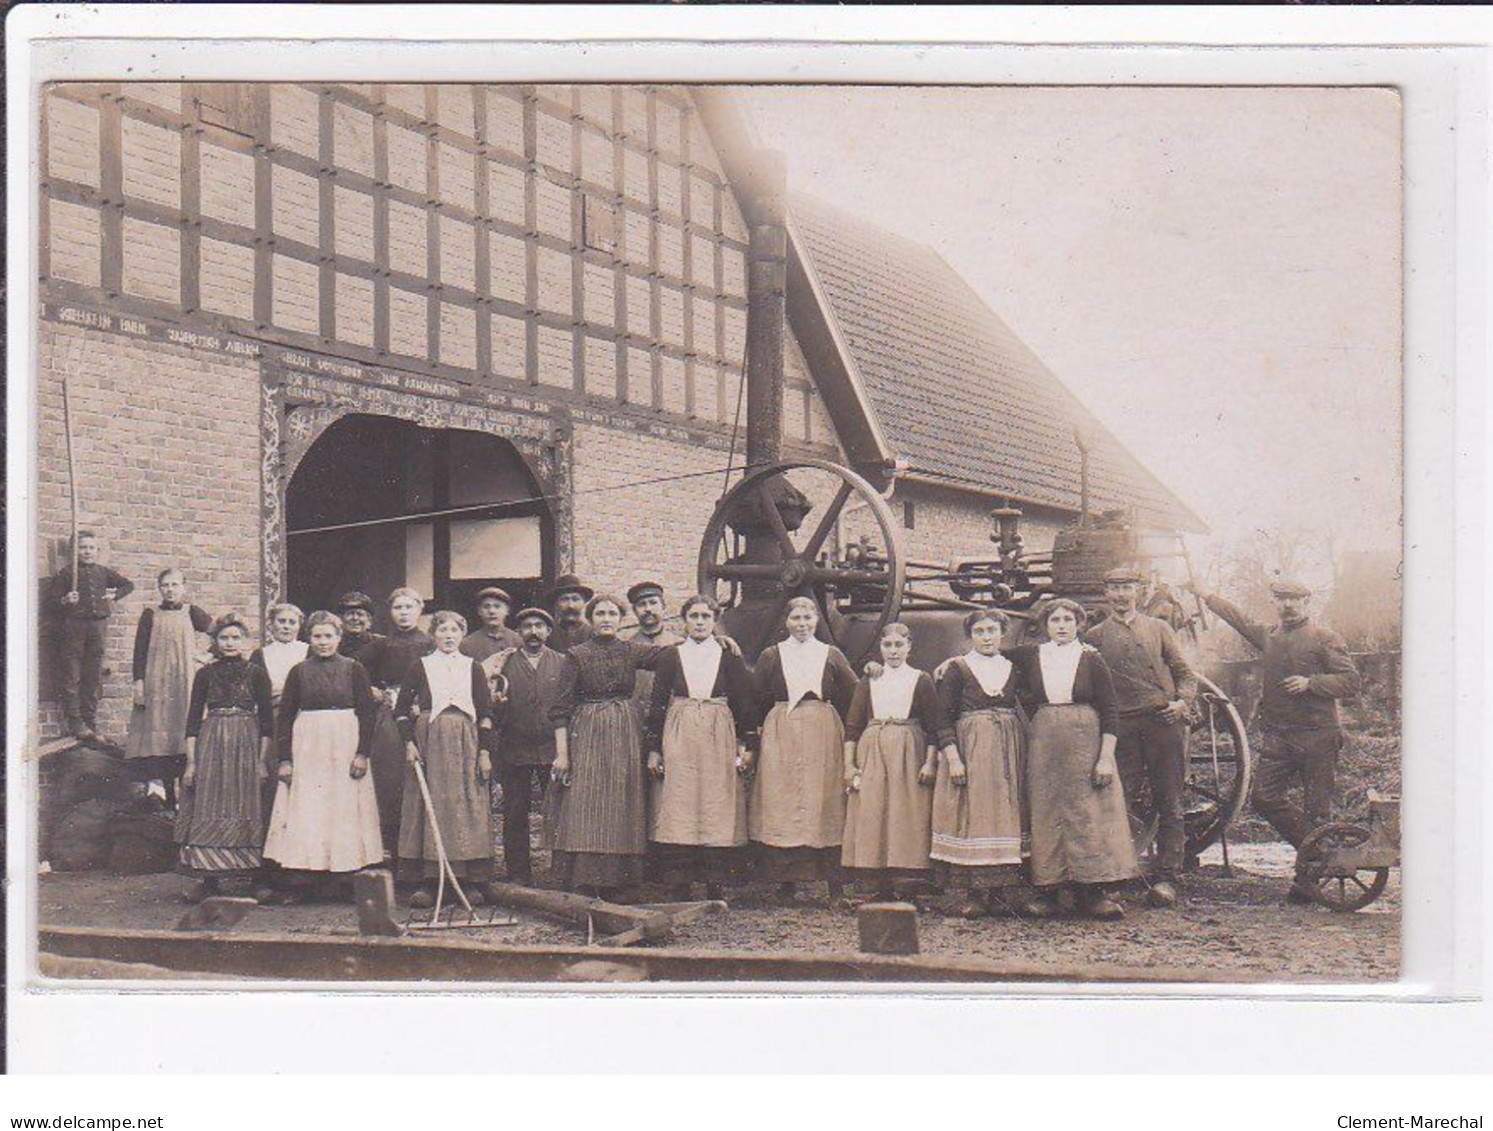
1340	886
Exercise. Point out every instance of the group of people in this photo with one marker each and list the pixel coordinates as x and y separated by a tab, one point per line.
1009	770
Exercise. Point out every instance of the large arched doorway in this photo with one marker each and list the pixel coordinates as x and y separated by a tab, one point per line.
378	502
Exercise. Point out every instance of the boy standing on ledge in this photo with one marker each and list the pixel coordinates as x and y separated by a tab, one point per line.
85	603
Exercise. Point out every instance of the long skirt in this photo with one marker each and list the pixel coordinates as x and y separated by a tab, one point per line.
796	812
463	808
600	818
701	799
980	829
1080	833
888	820
386	759
697	818
157	731
324	820
219	825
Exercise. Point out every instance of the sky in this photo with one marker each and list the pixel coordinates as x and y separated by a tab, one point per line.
1215	272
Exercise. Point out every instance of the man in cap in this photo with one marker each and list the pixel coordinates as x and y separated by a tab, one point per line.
568	600
1154	684
1307	669
356	611
526	734
491	640
647	601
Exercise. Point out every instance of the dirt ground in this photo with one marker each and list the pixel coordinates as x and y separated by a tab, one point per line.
1238	927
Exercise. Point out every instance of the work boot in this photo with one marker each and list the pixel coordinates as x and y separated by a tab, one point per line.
1040	907
1095	903
422	899
1301	894
1104	908
1163	894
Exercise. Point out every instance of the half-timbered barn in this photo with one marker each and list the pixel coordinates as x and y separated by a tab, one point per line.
319	337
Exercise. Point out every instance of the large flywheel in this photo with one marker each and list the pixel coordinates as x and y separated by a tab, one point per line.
804	528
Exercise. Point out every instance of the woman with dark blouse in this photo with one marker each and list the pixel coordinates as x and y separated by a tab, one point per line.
701	731
892	736
388	660
796	814
980	828
325	818
599	815
1080	829
230	727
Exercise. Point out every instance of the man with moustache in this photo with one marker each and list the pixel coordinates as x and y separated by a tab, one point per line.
526	735
1307	669
568	600
647	601
1154	684
356	611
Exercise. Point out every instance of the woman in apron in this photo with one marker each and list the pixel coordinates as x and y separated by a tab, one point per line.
980	829
1080	828
700	734
796	813
163	666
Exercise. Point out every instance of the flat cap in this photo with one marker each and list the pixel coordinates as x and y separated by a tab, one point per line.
1289	587
1123	574
494	591
531	613
569	583
354	600
644	589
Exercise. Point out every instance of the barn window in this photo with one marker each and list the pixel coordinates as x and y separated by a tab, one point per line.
909	515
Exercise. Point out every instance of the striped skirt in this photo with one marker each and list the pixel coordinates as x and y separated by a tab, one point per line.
888	820
980	829
325	820
600	819
463	810
219	824
1080	834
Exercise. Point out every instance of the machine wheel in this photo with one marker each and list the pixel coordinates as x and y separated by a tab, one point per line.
857	596
1219	771
1339	886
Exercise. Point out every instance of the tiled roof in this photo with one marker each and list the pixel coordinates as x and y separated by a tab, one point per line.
956	393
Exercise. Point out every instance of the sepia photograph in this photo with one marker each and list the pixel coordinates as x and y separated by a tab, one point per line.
731	535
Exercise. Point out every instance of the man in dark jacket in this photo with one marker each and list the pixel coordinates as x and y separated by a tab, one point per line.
526	735
568	600
1307	669
85	605
1154	685
356	611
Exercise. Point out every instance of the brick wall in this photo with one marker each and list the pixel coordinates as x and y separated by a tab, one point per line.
626	534
166	441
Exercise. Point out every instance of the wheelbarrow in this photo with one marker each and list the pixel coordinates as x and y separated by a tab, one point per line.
1345	864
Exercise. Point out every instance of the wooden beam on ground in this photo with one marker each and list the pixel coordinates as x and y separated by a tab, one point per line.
367	959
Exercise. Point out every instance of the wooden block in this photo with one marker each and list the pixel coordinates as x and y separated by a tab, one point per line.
217	912
888	928
373	892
